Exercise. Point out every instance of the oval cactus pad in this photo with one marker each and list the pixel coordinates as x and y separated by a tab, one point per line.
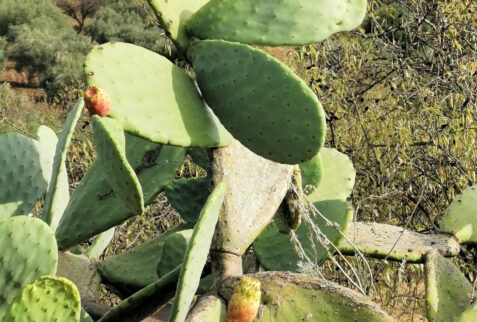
28	251
22	180
336	181
460	218
49	298
259	100
276	22
153	98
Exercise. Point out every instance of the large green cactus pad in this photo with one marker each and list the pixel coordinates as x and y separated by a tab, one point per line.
337	180
135	268
460	218
259	100
276	22
173	251
28	251
21	175
94	208
275	251
49	298
174	15
152	97
111	152
448	292
188	196
58	190
295	297
196	254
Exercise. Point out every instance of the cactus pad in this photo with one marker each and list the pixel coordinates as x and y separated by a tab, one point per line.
460	218
153	98
469	315
94	208
276	22
188	196
174	15
135	268
173	251
295	297
111	152
196	254
312	172
101	242
199	156
209	308
84	317
338	177
259	100
28	251
58	190
48	142
21	176
49	298
275	251
448	292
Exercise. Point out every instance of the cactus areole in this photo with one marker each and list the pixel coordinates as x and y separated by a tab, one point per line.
97	101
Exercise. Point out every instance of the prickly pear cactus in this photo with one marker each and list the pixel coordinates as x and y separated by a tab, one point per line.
174	15
48	298
295	297
448	292
469	315
22	180
135	268
196	254
233	79
460	218
95	208
167	106
275	22
111	150
188	196
58	194
337	178
173	251
19	264
277	251
245	300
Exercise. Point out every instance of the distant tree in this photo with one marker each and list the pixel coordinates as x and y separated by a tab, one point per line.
128	21
44	42
79	10
3	55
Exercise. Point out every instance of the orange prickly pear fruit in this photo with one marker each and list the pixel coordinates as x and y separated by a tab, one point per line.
245	300
97	101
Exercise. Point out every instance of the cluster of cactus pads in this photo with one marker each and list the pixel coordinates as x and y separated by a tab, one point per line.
270	178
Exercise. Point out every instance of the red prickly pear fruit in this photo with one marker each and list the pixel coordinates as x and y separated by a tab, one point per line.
245	300
97	101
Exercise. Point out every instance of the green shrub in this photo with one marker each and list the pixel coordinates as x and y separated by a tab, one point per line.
3	55
44	43
19	114
128	21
